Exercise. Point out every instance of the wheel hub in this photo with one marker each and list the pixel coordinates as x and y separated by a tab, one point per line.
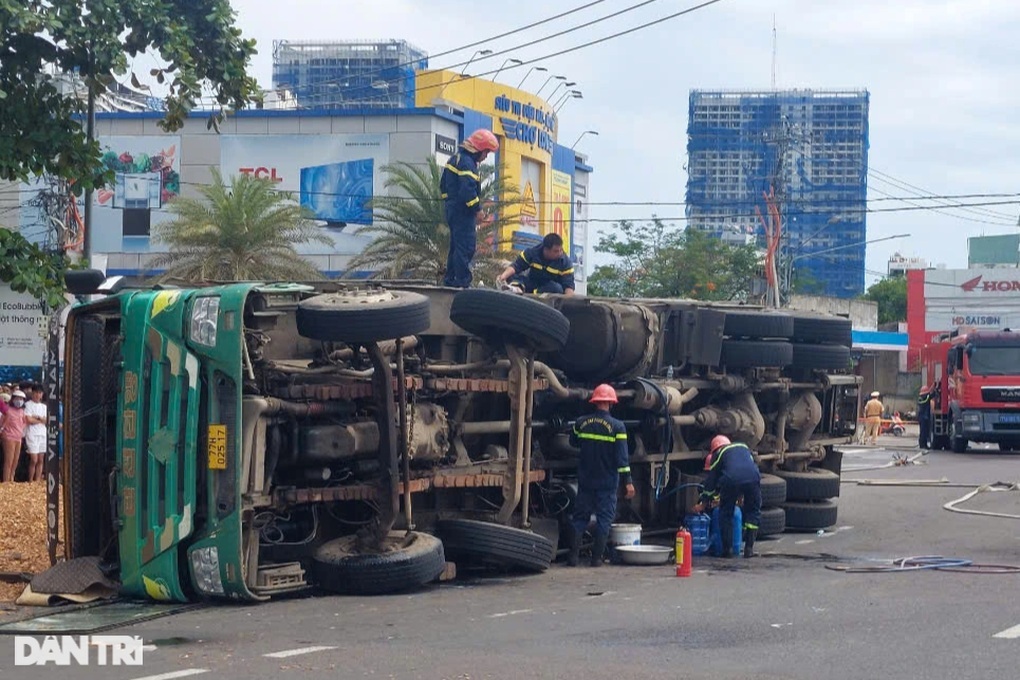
361	296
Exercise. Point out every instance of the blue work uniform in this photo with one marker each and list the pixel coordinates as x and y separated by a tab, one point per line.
604	459
459	188
733	474
924	418
539	275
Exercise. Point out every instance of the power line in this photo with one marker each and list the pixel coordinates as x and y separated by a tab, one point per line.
531	43
949	214
903	185
568	50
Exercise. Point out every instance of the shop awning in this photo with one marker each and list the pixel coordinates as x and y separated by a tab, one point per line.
880	340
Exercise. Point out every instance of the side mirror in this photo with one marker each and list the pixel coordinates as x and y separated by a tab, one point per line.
83	281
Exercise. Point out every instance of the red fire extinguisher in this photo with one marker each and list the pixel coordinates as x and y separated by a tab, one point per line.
683	552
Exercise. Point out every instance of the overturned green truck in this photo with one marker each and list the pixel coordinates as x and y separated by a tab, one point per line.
248	440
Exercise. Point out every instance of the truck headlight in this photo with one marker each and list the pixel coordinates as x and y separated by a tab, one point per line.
204	316
972	421
205	566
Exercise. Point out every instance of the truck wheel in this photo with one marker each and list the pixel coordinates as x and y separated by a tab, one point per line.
826	330
756	354
495	545
339	568
496	316
773	521
809	516
820	357
773	490
813	484
363	315
958	441
758	325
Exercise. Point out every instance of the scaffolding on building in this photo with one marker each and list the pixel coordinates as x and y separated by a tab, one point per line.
348	74
808	146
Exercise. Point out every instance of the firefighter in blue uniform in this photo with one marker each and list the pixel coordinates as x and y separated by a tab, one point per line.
733	473
544	268
603	463
460	187
924	416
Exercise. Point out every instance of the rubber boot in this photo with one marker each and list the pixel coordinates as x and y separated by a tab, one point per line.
574	539
726	537
598	549
749	536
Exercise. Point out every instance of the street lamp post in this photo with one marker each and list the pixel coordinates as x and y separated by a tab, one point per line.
574	94
586	132
477	52
508	61
533	68
547	82
564	83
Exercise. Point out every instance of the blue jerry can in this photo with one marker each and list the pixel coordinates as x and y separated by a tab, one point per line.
715	542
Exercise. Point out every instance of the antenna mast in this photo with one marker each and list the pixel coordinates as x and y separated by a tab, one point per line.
774	51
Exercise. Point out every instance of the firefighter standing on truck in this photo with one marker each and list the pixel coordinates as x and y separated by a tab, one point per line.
544	268
460	187
733	473
603	463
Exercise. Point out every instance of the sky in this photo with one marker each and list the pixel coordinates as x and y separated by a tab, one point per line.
942	76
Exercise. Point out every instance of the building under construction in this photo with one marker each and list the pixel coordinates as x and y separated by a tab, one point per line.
348	74
808	146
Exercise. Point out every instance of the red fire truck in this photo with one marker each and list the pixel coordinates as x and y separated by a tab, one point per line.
977	379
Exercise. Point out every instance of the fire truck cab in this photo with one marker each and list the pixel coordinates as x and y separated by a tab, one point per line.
976	378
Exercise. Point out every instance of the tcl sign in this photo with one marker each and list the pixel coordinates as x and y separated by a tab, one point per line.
979	284
262	173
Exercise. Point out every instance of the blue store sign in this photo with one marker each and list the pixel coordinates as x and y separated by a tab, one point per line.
536	128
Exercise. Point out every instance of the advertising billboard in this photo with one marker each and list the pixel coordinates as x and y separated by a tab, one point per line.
579	245
23	328
334	176
147	175
975	298
561	199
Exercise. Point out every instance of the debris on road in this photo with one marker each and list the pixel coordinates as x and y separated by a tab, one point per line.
22	534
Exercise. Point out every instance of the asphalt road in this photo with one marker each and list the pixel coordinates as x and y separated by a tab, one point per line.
780	615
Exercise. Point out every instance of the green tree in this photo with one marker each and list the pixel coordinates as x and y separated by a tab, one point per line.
411	236
891	296
655	260
246	232
27	268
95	38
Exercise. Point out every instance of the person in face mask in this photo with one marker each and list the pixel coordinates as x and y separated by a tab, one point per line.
12	432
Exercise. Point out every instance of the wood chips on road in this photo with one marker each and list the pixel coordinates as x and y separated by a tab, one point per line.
22	533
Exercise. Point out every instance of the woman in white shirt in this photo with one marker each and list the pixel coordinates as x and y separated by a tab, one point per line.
35	434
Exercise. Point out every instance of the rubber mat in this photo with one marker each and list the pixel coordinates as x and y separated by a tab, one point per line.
73	577
93	618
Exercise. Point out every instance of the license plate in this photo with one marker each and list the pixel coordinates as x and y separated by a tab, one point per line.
1012	418
217	447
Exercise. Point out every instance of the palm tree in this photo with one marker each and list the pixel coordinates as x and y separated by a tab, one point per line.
245	232
411	236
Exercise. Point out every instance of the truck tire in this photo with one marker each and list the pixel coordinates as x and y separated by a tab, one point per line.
339	569
957	441
813	484
758	325
773	490
826	330
820	357
773	521
495	545
756	354
363	315
809	516
497	316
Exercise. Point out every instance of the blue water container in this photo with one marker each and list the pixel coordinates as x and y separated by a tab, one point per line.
699	526
715	542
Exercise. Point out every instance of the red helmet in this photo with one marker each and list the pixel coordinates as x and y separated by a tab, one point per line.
718	441
482	140
604	394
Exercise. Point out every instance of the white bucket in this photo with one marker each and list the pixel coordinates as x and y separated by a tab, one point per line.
623	534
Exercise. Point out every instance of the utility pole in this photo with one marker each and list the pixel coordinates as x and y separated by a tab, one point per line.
90	134
775	52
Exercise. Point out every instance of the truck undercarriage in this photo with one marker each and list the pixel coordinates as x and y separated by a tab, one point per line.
358	438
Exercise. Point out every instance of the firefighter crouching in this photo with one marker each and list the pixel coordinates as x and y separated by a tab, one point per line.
733	473
603	463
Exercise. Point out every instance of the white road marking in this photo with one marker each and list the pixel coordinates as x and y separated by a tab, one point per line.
1009	633
510	613
805	541
297	652
187	673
